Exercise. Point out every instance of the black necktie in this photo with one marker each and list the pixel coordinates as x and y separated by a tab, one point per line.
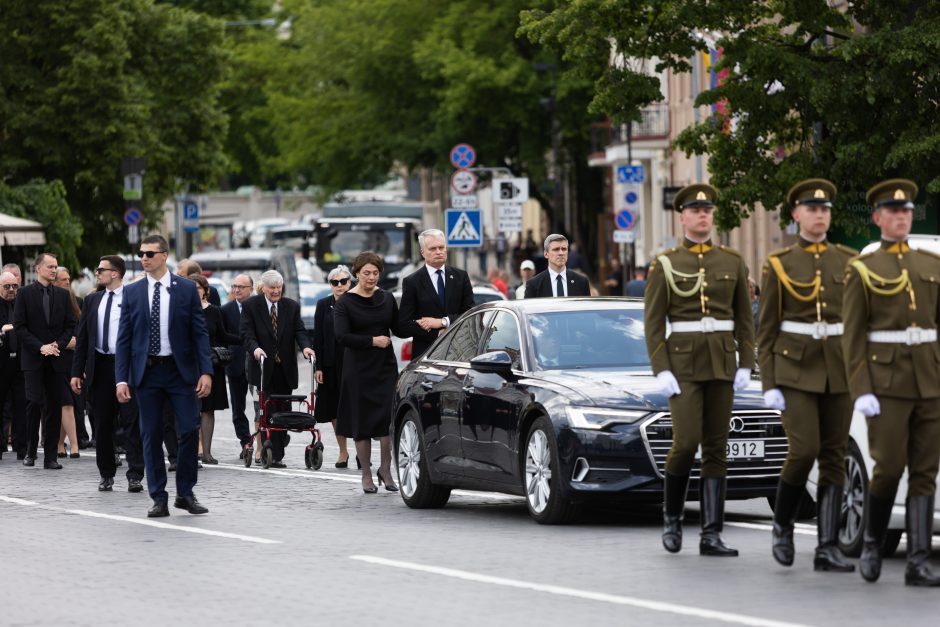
559	286
47	303
107	324
440	289
154	347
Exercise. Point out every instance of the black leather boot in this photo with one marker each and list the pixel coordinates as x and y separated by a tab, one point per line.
713	514
676	488
877	517
828	522
786	506
919	532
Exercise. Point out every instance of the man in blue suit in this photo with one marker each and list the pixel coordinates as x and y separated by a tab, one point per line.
163	353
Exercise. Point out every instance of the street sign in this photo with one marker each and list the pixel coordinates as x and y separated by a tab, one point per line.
464	202
464	227
509	218
511	190
624	237
463	156
625	219
463	182
133	186
630	174
133	234
190	217
133	216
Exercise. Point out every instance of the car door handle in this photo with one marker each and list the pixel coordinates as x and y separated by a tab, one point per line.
427	385
469	389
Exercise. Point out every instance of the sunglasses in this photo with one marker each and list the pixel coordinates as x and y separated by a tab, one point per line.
336	282
149	254
100	270
10	286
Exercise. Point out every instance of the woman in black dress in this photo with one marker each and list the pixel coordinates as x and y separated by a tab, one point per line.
217	400
363	319
330	357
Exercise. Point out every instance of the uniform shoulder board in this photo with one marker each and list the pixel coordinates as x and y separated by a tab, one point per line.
780	251
728	249
668	251
928	252
851	252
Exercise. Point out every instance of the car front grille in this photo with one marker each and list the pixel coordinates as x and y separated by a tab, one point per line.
759	424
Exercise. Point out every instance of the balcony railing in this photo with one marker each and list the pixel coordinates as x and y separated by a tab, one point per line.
654	124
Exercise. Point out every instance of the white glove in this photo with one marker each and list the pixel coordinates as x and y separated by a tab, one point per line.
741	378
773	399
868	405
667	383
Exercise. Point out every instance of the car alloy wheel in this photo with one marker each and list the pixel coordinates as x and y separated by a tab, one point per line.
545	497
853	502
416	491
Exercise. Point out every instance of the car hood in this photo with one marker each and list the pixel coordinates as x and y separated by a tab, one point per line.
630	388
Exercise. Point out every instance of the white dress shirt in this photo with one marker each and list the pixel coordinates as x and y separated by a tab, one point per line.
115	319
564	280
165	283
432	271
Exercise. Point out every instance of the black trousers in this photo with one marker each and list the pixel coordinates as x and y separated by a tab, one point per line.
108	413
238	390
278	385
44	389
13	394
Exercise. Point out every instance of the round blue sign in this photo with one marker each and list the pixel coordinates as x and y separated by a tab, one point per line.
631	198
625	219
463	156
133	216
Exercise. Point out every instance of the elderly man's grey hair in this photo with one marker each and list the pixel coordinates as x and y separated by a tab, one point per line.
271	278
554	237
338	270
430	233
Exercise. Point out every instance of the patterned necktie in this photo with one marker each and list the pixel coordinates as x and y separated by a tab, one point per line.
559	286
277	358
440	289
107	324
154	348
46	303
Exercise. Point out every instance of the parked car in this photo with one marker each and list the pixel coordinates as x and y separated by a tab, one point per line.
292	236
554	399
220	286
225	264
310	293
917	241
258	229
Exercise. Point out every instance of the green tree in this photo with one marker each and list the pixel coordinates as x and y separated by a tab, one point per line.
46	203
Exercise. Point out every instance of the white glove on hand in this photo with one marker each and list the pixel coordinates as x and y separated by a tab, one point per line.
868	405
667	383
741	378
773	399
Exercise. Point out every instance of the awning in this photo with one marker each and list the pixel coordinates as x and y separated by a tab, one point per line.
21	232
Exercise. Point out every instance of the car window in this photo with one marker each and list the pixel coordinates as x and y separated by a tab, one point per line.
589	339
504	336
465	339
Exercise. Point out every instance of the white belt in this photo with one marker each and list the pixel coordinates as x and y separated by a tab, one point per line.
910	336
817	330
705	325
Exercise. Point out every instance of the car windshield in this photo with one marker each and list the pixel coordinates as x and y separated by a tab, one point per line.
600	338
342	242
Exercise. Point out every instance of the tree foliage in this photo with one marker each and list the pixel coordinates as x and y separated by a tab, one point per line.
849	93
46	203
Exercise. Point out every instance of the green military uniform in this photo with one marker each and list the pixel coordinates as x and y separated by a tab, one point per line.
799	344
891	351
700	292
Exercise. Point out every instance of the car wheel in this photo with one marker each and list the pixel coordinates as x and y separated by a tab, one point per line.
545	499
853	502
416	488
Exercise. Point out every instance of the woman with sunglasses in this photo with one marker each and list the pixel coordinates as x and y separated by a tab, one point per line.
329	357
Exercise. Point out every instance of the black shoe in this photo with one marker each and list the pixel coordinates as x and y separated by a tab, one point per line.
786	508
675	489
713	514
172	467
52	465
391	487
134	485
877	517
159	510
29	461
342	464
91	443
106	484
919	532
241	454
74	455
828	520
209	459
190	504
83	444
278	465
61	455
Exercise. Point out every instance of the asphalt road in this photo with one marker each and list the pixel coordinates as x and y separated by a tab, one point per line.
301	547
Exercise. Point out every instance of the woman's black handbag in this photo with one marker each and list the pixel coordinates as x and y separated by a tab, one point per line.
221	355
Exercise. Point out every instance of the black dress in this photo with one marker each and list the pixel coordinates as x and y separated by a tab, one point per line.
367	385
329	360
218	336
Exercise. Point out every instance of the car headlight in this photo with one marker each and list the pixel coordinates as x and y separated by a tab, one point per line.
600	418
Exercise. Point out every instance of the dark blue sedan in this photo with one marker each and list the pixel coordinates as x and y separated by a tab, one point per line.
554	400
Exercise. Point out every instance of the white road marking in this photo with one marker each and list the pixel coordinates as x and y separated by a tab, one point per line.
657	606
765	527
140	521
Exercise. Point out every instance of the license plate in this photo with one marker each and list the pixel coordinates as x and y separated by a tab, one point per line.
745	449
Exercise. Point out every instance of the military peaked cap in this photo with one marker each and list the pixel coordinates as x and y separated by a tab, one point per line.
892	193
695	195
812	192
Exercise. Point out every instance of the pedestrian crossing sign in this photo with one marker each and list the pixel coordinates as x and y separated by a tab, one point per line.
464	228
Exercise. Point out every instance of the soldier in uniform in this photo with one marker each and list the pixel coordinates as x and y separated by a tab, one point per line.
803	372
700	338
893	364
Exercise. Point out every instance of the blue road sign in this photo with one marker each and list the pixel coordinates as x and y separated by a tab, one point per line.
133	216
631	198
464	228
625	219
462	156
190	216
630	174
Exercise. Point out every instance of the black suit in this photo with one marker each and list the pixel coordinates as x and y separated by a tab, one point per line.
237	377
280	367
46	383
12	386
540	286
419	298
97	369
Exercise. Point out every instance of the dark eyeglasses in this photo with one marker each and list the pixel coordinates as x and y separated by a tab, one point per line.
100	270
149	254
10	286
336	282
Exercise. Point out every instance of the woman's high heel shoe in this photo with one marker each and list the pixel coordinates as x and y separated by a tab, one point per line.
388	486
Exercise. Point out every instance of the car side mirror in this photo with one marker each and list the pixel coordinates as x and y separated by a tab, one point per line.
498	362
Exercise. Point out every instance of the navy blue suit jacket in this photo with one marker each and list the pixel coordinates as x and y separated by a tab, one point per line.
233	322
189	339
